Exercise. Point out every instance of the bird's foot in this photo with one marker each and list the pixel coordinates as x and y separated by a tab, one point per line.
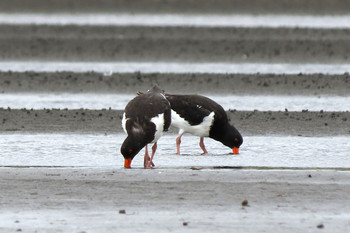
147	163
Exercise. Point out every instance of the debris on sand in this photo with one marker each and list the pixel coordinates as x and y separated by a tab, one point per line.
245	203
122	212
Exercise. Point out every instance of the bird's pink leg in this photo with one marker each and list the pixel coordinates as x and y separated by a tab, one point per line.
201	144
178	142
154	148
146	158
147	162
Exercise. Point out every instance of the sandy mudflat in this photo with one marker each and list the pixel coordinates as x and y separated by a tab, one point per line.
224	84
183	44
162	200
302	123
180	6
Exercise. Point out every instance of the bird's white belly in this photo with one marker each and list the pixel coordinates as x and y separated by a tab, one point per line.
124	122
201	130
159	122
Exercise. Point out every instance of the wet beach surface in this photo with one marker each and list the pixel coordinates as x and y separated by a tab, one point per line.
129	43
250	123
279	68
312	7
99	151
88	200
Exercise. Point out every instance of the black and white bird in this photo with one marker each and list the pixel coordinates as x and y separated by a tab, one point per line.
203	117
145	119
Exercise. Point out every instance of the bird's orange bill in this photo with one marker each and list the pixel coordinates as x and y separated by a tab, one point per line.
127	163
235	150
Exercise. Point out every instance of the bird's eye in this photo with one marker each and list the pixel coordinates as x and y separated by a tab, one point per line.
236	139
130	151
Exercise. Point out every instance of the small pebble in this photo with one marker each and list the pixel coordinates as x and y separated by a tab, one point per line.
309	175
185	223
320	226
122	212
245	203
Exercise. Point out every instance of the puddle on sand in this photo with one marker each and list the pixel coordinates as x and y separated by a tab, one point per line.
119	101
75	150
108	68
173	20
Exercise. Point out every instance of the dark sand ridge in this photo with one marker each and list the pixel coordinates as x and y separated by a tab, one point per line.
82	32
302	123
130	83
105	43
180	6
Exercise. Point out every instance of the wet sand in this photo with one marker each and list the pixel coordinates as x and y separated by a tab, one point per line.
180	6
223	84
303	123
118	200
183	44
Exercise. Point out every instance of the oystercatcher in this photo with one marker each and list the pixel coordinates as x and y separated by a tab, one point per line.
203	117
144	120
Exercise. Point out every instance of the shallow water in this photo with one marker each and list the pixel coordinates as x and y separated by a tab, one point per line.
235	20
103	151
119	101
64	100
108	68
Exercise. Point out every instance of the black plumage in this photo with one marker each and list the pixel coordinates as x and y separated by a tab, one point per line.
145	118
203	117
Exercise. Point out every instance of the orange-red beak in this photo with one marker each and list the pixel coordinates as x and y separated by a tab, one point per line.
235	150
127	163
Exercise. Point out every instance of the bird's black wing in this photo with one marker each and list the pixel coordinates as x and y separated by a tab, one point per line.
189	107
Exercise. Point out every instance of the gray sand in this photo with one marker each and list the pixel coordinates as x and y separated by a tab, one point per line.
224	84
161	200
302	123
180	6
91	43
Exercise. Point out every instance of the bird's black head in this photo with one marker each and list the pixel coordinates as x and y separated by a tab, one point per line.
233	139
129	149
